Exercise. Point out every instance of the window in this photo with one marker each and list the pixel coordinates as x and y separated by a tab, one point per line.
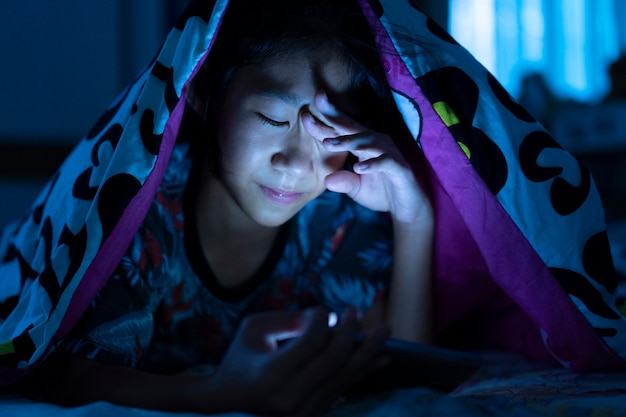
570	42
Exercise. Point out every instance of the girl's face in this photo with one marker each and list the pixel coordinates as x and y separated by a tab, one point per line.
271	165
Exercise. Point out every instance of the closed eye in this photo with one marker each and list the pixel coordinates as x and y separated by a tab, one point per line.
271	122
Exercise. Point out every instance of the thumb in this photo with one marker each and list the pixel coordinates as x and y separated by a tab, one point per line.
345	182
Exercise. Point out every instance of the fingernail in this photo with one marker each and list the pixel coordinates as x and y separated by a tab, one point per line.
362	166
326	106
332	141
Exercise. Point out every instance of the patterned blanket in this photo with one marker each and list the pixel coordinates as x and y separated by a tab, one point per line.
520	237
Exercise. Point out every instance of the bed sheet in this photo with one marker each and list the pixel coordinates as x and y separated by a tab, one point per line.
505	385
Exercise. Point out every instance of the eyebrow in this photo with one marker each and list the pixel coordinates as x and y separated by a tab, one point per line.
279	93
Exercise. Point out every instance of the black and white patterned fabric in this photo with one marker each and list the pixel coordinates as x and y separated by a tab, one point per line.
518	217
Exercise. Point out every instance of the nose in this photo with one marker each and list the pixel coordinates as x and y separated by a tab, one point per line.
296	155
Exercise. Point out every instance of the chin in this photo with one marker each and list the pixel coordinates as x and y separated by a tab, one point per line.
273	222
273	219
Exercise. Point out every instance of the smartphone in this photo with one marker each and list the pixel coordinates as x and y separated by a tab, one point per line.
420	365
414	365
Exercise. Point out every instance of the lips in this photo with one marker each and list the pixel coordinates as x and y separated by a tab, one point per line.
280	196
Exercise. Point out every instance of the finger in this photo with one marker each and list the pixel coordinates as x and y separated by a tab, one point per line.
368	355
324	110
349	325
312	339
317	128
364	360
344	182
381	163
337	352
323	104
364	145
298	353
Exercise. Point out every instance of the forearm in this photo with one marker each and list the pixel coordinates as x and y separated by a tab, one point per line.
409	310
71	381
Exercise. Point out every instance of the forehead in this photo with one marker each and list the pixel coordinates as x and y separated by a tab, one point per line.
295	77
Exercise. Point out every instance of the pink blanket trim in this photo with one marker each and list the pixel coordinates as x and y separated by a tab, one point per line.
509	256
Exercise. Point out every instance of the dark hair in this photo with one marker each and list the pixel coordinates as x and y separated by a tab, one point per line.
254	31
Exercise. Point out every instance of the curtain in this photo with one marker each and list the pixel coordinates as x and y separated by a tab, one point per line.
570	43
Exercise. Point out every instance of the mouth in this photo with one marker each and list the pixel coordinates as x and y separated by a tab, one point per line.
280	196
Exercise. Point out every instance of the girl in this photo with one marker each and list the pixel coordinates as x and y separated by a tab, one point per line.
247	115
275	113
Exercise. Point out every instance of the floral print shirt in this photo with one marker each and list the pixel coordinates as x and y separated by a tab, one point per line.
162	310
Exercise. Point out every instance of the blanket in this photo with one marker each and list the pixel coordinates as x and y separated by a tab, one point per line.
520	240
506	385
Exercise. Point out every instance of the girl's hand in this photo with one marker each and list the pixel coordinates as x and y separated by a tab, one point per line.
382	179
302	377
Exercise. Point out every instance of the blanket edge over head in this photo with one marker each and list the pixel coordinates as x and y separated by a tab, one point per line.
487	157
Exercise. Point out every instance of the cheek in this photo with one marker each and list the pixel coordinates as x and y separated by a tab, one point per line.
227	150
234	148
334	162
